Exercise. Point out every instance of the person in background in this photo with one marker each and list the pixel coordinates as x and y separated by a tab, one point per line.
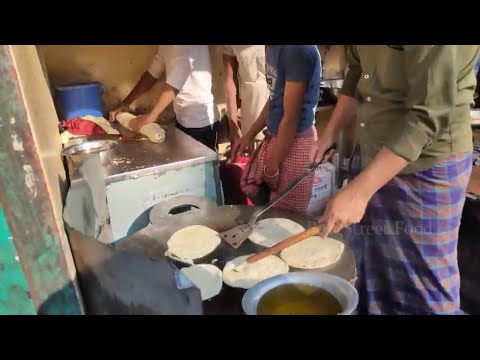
245	87
403	208
293	75
476	104
187	74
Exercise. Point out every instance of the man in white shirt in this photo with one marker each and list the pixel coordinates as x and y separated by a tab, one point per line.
244	80
188	83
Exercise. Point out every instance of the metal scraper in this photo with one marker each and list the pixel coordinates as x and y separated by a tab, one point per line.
236	236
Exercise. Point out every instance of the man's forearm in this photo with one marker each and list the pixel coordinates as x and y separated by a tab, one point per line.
231	88
145	83
343	113
286	137
232	109
261	121
167	95
384	166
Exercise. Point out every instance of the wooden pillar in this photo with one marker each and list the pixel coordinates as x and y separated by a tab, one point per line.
32	241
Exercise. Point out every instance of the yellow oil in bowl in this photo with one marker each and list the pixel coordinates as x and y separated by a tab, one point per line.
298	299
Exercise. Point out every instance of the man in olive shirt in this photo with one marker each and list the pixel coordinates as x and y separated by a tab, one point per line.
412	104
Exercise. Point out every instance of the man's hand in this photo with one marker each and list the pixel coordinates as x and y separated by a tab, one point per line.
235	134
271	176
141	120
347	207
239	146
320	149
119	109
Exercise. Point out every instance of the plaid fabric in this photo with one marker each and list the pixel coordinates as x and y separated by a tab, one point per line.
294	164
406	244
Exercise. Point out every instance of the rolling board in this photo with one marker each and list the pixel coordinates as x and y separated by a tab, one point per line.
152	242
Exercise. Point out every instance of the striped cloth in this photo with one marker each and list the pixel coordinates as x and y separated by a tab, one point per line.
406	244
295	163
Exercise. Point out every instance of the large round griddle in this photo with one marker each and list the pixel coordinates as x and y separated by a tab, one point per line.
152	242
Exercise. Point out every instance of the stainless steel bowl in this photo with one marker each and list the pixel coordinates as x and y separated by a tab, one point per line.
343	291
90	147
77	154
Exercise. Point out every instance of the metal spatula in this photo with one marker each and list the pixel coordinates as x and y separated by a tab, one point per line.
236	236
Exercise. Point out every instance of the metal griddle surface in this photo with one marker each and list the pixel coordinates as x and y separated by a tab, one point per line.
152	242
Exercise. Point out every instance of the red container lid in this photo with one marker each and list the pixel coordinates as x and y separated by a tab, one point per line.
241	159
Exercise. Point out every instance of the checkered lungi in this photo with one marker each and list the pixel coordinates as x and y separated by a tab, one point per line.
295	163
406	244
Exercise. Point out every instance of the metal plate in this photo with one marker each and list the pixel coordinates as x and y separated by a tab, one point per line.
152	242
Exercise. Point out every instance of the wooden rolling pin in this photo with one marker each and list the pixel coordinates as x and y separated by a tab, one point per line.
284	244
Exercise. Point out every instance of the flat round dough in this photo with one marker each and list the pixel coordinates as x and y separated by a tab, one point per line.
239	274
269	232
313	253
193	242
208	278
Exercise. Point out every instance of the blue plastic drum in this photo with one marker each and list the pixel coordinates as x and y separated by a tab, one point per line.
80	100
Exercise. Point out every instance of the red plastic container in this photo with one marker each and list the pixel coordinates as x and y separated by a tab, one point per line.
230	175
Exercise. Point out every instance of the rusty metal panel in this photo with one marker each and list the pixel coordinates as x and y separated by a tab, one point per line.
26	202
